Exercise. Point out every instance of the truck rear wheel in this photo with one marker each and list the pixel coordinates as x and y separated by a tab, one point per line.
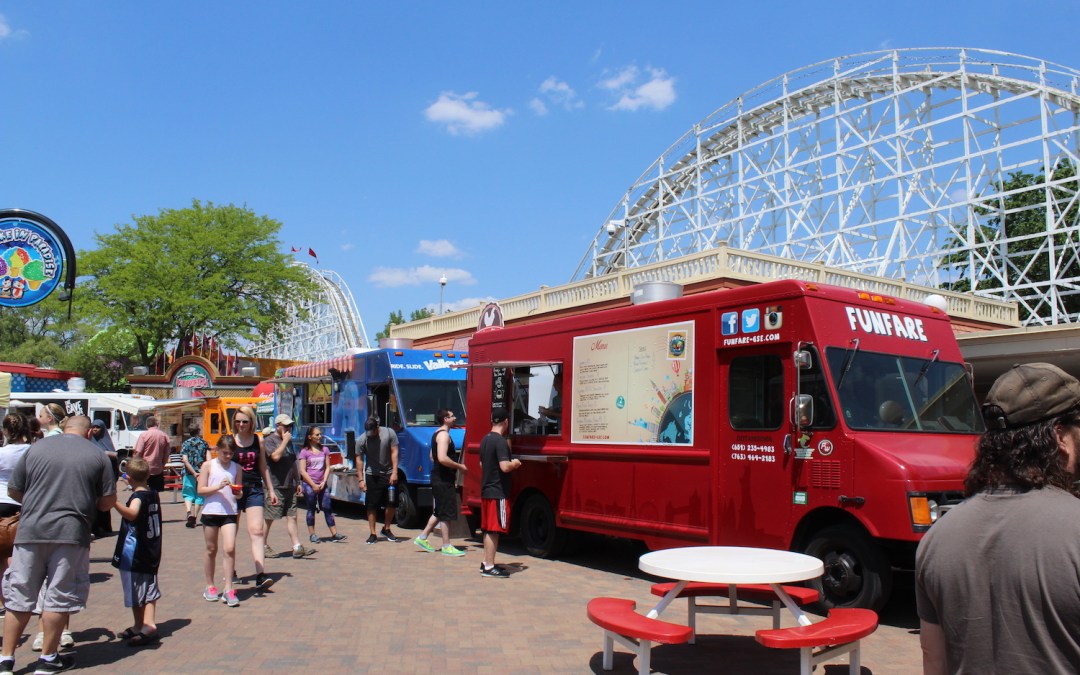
408	513
542	538
857	574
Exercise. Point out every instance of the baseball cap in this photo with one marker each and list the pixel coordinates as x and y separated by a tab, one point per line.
283	419
1029	393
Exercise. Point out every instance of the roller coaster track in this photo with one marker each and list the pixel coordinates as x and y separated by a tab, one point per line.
877	163
328	325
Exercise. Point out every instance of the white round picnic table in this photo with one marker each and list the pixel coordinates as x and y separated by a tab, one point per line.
731	565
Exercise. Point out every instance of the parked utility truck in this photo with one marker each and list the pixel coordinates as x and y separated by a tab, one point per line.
124	415
787	415
401	386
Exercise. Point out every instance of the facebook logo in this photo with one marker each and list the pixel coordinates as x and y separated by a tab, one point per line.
751	320
729	323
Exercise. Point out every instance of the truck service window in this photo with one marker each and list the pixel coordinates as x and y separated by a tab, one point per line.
756	392
903	393
537	400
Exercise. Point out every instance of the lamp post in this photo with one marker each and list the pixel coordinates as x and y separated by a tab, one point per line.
442	287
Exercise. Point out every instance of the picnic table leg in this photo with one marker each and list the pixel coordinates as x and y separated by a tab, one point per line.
666	600
790	604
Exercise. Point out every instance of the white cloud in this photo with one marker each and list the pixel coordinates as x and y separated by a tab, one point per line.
348	246
393	277
558	93
621	80
657	92
438	248
538	107
6	31
464	113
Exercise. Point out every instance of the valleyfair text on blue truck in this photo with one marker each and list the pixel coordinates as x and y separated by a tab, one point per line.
403	387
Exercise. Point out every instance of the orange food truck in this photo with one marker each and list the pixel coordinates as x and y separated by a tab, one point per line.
787	415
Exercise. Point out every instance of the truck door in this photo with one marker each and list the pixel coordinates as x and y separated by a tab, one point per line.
755	470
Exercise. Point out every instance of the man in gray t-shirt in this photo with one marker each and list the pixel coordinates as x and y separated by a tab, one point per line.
62	482
379	446
995	580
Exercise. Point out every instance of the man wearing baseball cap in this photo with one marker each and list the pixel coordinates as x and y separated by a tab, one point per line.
281	460
998	577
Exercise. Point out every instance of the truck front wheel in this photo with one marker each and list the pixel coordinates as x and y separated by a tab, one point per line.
408	513
542	538
857	574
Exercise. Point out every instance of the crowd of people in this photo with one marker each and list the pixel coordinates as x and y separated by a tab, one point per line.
59	475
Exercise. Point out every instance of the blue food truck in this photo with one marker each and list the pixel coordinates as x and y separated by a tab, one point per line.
401	386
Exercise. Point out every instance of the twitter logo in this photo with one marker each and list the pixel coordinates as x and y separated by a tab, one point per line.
729	323
751	320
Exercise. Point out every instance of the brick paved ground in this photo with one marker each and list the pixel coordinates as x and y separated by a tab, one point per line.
392	608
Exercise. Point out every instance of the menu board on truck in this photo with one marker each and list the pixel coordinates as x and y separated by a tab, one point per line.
635	386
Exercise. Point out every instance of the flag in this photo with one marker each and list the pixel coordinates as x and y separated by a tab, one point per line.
311	252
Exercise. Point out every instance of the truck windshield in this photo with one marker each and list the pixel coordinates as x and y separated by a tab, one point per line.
891	392
421	399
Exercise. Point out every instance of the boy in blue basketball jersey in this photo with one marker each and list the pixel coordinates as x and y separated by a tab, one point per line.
138	554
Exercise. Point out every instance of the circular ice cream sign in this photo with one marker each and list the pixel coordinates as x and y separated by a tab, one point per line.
31	260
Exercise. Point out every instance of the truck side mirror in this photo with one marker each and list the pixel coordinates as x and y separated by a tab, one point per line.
803	360
804	411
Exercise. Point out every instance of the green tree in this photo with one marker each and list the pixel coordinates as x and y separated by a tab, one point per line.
207	268
398	318
104	359
1022	213
40	334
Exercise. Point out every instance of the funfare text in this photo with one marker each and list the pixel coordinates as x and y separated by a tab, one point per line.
884	323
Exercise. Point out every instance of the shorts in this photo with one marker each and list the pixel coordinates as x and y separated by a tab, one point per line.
446	504
495	515
67	567
377	494
286	505
156	482
140	588
190	491
217	520
252	496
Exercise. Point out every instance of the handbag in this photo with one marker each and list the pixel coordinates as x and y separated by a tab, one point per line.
8	527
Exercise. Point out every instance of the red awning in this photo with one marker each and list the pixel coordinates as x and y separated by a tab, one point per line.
318	369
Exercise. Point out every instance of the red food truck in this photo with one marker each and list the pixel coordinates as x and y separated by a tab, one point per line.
787	415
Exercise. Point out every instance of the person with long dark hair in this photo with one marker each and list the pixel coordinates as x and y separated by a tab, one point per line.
315	472
996	576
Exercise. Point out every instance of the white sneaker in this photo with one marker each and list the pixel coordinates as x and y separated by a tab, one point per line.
66	640
38	641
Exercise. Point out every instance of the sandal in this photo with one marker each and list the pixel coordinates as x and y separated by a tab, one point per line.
127	633
143	639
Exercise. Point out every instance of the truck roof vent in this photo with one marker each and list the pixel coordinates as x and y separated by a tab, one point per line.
395	343
653	291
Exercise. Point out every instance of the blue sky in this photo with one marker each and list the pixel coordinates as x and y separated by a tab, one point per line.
404	141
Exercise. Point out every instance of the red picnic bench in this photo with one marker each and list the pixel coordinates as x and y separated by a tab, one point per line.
637	632
840	633
754	592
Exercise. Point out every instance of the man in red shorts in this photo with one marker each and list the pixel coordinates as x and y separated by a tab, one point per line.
495	466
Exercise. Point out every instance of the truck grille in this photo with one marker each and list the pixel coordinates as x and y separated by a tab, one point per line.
825	474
